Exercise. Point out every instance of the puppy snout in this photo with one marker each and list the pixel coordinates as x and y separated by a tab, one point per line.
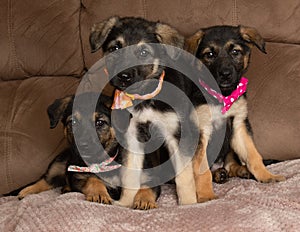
125	76
83	146
225	73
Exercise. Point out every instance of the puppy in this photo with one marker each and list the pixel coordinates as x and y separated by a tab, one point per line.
225	51
79	123
152	118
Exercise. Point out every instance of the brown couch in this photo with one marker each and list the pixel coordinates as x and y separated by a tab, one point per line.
45	51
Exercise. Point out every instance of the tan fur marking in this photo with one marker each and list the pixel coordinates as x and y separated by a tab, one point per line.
145	199
234	169
243	145
100	31
202	174
252	36
95	191
39	186
246	61
169	35
192	43
185	186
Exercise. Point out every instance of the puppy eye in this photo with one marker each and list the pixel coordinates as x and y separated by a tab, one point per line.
209	55
114	48
99	123
73	122
235	52
144	52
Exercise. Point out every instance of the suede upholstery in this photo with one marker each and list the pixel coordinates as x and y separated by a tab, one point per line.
45	51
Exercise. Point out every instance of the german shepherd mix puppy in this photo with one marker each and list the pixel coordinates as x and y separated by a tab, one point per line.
225	51
149	115
83	120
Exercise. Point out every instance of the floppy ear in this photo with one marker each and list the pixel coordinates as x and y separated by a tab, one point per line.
168	35
57	109
100	31
252	36
192	43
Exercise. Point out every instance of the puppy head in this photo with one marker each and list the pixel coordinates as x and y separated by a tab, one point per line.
225	51
83	120
116	33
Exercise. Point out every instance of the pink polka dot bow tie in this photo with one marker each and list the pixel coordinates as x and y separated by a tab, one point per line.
227	100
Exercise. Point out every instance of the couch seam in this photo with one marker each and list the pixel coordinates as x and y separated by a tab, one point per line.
81	7
11	41
144	8
7	141
234	17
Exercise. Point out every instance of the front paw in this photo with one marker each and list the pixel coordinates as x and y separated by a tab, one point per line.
244	173
220	175
271	178
95	191
145	199
204	187
100	197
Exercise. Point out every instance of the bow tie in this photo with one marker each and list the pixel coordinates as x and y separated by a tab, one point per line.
227	100
124	100
96	168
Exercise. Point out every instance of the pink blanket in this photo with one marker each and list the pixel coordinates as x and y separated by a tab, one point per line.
243	205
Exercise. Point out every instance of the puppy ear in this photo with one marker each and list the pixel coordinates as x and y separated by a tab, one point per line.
57	109
192	43
100	31
169	36
252	36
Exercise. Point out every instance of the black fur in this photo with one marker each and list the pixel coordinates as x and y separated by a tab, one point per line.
85	146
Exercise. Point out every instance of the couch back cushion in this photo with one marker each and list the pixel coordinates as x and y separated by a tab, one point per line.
273	117
40	38
276	20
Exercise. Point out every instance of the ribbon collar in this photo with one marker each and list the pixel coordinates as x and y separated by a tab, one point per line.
227	100
124	100
96	168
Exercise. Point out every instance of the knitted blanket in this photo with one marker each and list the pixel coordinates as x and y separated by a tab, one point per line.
243	205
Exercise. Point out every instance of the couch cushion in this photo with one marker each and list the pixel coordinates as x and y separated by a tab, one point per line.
98	10
27	145
39	38
277	20
274	106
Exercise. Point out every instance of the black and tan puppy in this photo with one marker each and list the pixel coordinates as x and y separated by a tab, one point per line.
151	118
83	148
225	51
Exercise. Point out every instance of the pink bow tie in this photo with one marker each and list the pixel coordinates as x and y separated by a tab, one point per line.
228	100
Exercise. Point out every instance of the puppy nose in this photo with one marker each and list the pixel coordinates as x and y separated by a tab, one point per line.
124	76
225	73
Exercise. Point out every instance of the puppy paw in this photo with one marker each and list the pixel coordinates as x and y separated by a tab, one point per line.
244	173
39	186
271	178
145	199
208	197
25	192
95	191
220	176
144	204
66	189
100	197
